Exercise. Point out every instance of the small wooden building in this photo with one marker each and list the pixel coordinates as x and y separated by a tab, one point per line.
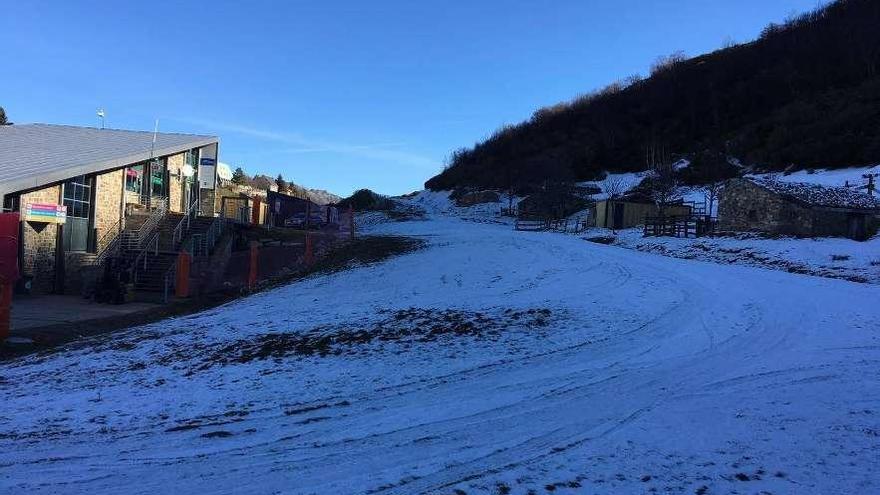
627	213
797	209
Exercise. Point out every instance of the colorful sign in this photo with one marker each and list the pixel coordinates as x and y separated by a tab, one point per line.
45	213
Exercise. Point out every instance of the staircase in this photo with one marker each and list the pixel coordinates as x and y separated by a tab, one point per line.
145	246
156	268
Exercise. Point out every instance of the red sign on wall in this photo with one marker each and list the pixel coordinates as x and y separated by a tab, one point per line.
9	247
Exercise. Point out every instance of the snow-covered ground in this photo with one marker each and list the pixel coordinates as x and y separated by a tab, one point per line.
827	177
824	257
493	361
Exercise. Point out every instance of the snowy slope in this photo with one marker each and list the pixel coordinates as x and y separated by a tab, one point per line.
545	363
825	257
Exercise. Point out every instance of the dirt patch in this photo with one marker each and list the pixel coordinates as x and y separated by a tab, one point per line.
602	239
409	326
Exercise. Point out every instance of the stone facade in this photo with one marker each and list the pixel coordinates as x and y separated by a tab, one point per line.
744	206
108	206
207	200
175	183
40	256
39	241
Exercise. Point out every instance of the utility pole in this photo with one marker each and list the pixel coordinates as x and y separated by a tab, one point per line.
870	185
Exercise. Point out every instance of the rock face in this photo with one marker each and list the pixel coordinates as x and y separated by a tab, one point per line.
478	197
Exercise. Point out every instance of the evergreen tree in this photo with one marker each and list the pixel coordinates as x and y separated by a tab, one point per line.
239	177
281	183
3	120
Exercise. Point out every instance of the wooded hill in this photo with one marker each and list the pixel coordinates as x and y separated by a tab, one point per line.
806	94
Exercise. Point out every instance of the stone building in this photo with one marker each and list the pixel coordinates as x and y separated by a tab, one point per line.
97	181
797	209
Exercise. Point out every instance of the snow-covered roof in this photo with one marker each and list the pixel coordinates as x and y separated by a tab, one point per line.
817	195
34	155
224	171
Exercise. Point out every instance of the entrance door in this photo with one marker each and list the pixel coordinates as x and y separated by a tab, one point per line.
191	184
856	227
618	215
78	200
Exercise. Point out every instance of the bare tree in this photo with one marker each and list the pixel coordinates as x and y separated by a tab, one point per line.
664	187
710	193
614	187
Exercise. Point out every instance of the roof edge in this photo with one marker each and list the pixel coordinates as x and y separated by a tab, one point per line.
44	180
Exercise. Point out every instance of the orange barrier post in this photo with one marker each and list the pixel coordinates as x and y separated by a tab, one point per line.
255	258
183	265
5	309
309	257
255	214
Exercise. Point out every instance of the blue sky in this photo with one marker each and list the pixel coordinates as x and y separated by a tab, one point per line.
342	94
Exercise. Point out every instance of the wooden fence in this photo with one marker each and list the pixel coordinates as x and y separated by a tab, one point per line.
562	225
679	226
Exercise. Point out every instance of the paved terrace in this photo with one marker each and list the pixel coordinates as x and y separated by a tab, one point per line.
39	317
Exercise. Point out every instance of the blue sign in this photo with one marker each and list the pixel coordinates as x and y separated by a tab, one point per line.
208	162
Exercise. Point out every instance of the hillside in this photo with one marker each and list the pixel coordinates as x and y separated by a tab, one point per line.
805	94
264	182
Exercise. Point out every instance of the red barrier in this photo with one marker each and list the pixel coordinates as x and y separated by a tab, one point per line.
183	265
9	271
9	247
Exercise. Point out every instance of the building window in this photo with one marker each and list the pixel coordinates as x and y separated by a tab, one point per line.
134	178
77	197
11	203
192	158
157	178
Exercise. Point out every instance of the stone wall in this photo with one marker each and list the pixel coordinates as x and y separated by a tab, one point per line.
175	182
108	204
39	241
744	206
207	202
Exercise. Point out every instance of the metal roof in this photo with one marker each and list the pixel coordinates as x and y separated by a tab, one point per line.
34	155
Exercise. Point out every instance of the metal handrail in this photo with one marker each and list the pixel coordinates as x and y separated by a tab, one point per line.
110	248
156	216
120	239
177	235
213	234
152	244
136	239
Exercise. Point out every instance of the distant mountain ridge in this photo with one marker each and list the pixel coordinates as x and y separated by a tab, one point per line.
806	94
